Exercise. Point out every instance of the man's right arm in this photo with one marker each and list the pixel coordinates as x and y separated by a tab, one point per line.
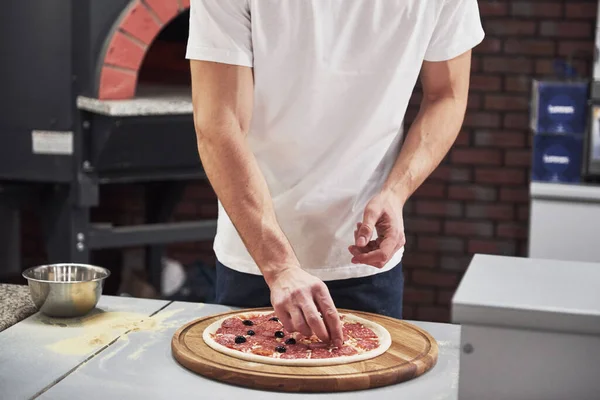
222	96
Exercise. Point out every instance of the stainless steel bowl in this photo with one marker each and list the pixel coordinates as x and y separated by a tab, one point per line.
66	290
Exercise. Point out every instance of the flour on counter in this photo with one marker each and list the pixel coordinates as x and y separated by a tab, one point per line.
102	328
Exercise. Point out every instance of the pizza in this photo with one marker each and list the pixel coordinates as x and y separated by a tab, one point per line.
261	337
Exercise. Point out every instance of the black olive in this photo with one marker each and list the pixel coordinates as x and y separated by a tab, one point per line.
280	349
290	341
250	332
274	319
240	339
279	334
247	322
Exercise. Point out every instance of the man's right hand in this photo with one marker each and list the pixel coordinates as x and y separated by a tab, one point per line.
298	297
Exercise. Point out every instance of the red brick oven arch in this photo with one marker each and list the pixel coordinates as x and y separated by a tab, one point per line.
135	29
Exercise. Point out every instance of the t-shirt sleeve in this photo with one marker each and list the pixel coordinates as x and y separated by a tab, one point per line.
458	30
220	31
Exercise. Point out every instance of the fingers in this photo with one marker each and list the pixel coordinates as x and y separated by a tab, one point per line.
366	229
330	317
314	321
377	253
379	257
298	322
285	319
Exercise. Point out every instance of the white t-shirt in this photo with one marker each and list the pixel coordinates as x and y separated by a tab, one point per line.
332	83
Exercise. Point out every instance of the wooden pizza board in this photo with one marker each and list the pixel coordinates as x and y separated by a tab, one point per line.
412	353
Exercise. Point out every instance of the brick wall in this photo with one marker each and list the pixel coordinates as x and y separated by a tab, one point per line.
477	200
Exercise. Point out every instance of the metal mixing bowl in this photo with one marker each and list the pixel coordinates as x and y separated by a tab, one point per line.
66	290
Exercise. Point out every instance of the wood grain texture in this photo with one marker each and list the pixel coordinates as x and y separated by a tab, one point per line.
412	353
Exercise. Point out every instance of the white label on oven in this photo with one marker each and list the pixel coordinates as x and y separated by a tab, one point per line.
52	142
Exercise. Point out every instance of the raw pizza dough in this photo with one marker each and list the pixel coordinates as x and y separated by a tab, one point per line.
385	341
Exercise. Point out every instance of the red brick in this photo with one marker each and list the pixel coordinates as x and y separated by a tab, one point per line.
433	314
419	260
455	263
438	279
442	244
463	138
439	208
476	156
506	102
499	139
409	312
449	173
430	190
165	10
566	29
489	46
516	195
493	9
408	207
469	228
512	230
508	64
536	9
485	83
444	297
472	192
475	64
422	225
116	84
581	10
500	176
185	3
523	213
418	296
410	244
507	27
515	120
520	84
482	119
124	52
518	158
474	101
576	48
530	47
140	23
523	249
502	212
544	67
490	246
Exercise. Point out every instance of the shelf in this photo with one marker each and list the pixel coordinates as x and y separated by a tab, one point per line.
106	236
149	100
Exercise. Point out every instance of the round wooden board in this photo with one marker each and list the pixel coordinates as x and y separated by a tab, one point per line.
412	353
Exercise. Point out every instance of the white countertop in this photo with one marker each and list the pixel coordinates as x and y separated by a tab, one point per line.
565	191
101	357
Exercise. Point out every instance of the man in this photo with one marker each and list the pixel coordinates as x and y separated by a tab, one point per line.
298	109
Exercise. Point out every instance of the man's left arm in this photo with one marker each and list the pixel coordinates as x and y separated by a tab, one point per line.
445	92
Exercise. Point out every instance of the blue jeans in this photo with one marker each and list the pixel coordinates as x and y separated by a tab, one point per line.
380	293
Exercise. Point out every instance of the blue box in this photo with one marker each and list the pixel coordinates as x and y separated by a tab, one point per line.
557	158
559	107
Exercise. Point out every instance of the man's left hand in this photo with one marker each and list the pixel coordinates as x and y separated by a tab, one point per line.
383	214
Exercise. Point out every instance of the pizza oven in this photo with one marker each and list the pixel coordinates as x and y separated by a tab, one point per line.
98	92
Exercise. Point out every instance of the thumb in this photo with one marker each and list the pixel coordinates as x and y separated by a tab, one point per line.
365	232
